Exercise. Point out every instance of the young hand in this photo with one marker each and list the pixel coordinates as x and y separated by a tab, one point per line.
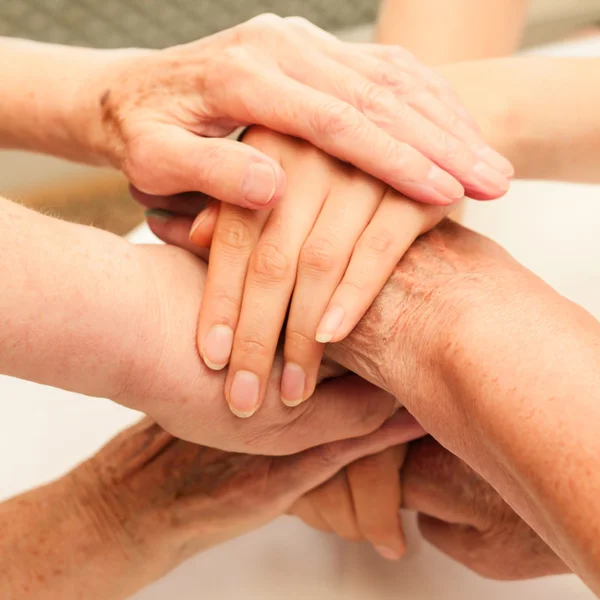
325	252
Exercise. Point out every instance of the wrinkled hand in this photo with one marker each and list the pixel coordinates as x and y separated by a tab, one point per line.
362	502
463	516
147	502
159	115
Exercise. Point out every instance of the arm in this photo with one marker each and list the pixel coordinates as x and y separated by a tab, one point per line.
503	372
86	311
542	113
141	505
446	31
170	108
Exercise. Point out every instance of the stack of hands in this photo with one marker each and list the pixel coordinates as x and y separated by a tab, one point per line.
336	237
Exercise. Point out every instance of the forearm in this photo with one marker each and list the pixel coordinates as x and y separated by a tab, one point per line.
42	108
529	414
438	31
72	299
56	544
541	113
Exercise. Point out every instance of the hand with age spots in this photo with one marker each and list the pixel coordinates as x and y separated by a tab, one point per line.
458	512
148	501
162	114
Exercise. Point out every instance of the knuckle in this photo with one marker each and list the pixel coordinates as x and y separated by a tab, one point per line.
336	118
225	303
270	264
376	244
234	235
400	155
392	78
374	100
297	341
251	344
449	146
319	256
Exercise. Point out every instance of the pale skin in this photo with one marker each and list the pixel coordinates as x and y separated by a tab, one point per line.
328	263
448	31
160	116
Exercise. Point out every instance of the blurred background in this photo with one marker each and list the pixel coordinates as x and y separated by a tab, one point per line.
99	197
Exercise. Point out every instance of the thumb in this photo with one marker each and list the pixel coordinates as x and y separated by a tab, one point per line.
295	475
171	161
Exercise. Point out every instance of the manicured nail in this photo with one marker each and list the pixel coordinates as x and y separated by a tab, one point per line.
260	184
243	396
488	177
216	348
387	553
497	161
159	213
293	381
330	323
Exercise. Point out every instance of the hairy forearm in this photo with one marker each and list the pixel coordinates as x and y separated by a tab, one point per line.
542	113
72	298
438	31
43	107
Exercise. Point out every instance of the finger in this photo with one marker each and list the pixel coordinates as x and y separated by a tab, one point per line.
173	229
297	474
332	501
378	515
459	542
383	108
342	131
401	60
174	161
305	510
187	204
268	288
439	484
406	76
323	260
441	115
236	235
392	230
202	230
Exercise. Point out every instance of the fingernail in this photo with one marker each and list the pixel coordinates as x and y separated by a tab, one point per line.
387	553
260	184
293	381
159	213
497	161
216	349
243	396
198	221
445	184
330	323
489	177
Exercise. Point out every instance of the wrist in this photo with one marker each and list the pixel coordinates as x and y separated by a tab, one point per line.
91	118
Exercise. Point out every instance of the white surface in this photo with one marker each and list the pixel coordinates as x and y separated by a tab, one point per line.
551	228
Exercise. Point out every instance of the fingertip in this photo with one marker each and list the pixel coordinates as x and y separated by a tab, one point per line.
263	184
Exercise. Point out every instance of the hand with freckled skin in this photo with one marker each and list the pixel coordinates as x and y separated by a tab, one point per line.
146	502
458	512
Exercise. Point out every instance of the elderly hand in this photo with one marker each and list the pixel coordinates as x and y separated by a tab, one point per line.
157	115
361	502
463	516
147	502
459	512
